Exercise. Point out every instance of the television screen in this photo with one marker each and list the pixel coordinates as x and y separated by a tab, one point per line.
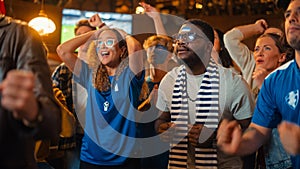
113	20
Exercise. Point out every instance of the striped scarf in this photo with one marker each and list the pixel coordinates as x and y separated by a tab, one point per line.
207	112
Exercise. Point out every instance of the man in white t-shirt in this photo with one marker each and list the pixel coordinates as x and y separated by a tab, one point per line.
195	96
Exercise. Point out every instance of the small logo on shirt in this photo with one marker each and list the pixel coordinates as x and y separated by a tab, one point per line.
116	87
292	99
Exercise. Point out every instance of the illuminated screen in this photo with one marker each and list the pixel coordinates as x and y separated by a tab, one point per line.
114	20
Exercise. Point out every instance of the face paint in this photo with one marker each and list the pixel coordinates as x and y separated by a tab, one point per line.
186	36
185	29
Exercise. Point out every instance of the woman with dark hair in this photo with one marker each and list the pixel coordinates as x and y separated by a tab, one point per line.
113	77
224	55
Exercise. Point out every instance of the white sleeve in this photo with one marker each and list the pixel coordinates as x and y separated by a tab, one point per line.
242	102
239	52
165	91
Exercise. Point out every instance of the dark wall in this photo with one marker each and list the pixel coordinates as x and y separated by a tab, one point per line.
142	24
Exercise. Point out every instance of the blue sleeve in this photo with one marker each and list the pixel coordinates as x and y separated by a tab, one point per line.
137	87
266	111
85	73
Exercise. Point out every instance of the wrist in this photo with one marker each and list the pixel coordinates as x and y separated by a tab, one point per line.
101	25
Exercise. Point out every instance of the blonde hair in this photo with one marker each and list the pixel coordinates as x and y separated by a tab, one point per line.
161	40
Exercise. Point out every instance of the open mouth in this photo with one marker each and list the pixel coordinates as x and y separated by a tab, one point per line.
105	53
182	49
259	61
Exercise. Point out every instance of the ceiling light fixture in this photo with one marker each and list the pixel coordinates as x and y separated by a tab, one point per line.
42	24
139	10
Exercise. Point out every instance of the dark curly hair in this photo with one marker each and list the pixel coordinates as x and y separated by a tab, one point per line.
100	75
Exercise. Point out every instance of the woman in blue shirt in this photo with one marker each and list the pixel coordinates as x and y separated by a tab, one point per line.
113	78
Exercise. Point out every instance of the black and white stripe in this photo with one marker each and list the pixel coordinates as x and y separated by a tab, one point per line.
207	112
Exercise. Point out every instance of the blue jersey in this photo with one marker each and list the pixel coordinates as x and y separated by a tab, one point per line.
109	129
279	100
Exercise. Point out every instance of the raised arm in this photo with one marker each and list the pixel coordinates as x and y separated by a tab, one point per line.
66	50
256	28
135	54
240	52
155	15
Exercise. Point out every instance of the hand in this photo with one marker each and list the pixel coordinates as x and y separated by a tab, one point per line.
166	131
149	10
17	91
95	20
229	136
290	137
261	25
259	76
194	133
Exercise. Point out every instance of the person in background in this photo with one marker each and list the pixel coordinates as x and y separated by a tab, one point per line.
83	26
193	97
159	51
224	56
113	78
62	76
159	55
269	53
276	106
62	79
28	110
244	57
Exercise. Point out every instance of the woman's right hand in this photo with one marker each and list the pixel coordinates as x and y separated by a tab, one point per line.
261	25
259	76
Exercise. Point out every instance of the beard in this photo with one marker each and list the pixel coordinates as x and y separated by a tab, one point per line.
194	57
294	42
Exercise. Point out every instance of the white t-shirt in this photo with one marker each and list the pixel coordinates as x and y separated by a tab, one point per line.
235	100
235	96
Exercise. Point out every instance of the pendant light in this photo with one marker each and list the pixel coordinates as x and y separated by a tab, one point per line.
42	24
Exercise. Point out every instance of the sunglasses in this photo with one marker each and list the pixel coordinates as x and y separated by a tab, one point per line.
108	43
186	37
